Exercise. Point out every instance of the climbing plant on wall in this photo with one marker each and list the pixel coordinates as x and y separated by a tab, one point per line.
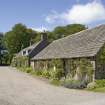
101	56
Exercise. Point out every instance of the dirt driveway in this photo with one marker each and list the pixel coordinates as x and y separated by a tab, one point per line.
18	88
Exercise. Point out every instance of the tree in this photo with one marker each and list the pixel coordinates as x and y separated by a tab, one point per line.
3	51
1	47
62	31
18	38
1	43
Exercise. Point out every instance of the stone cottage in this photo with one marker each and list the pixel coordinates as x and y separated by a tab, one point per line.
85	44
34	49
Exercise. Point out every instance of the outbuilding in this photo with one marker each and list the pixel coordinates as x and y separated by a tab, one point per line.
88	44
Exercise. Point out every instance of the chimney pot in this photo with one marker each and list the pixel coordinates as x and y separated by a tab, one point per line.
43	36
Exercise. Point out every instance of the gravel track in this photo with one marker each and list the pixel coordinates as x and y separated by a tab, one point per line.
17	88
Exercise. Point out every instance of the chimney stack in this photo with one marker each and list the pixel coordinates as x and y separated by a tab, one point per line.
43	36
31	42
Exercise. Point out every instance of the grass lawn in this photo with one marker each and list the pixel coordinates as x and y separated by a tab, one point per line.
97	86
102	89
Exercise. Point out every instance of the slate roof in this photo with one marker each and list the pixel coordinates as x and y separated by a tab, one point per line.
27	48
83	44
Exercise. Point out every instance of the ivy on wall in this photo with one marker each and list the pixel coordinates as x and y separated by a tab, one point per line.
20	61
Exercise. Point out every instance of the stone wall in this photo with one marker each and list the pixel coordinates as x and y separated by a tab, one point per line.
100	72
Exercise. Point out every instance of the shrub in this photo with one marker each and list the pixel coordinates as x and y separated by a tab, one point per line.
91	85
13	62
56	74
36	72
21	61
100	83
21	69
55	82
28	70
96	84
86	68
46	73
73	84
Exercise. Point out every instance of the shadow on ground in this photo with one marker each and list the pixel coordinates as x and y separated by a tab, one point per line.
4	64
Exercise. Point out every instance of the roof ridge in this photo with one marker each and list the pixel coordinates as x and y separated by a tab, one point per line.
78	33
85	43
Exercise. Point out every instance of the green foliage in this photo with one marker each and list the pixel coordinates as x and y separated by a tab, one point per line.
57	63
21	61
36	73
62	31
101	56
18	38
1	41
84	74
86	67
46	73
82	67
4	56
91	86
97	86
21	69
28	70
73	84
99	89
25	69
13	62
50	74
56	74
100	83
55	82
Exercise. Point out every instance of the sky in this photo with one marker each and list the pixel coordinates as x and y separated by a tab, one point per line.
47	14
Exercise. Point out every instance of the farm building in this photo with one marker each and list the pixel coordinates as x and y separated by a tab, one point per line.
88	44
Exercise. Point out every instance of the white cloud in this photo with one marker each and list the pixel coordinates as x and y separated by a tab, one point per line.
52	17
79	13
40	29
86	13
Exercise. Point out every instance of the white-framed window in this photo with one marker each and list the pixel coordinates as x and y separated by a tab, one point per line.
29	51
24	52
